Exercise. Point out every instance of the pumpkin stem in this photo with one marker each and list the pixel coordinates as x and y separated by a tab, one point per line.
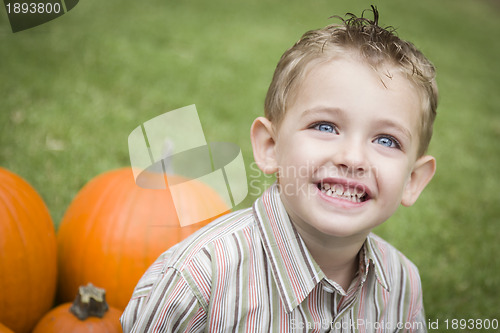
89	302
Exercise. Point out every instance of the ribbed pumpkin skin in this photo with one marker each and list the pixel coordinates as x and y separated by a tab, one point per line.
61	320
28	259
114	230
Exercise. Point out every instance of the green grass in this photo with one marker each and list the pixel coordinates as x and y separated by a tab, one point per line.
74	88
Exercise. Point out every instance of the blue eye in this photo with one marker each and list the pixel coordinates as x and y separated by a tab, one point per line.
325	127
388	141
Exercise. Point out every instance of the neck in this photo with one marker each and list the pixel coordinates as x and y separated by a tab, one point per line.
337	257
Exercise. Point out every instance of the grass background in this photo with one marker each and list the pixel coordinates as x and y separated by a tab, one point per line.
73	89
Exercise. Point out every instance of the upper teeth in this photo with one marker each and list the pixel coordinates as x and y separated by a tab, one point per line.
338	191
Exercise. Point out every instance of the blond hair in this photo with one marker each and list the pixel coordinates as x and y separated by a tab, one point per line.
373	44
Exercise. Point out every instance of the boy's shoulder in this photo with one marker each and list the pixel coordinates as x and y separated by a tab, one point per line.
387	249
203	241
391	265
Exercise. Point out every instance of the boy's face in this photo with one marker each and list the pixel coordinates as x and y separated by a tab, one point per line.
345	153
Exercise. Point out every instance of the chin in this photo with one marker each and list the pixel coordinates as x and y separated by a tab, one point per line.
340	228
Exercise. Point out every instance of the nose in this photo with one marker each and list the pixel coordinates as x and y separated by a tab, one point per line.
350	155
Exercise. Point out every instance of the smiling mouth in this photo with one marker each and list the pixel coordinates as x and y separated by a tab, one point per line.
345	192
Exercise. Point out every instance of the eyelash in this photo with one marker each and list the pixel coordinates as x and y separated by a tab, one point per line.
318	124
393	139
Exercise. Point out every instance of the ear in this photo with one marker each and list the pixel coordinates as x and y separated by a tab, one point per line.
421	175
263	143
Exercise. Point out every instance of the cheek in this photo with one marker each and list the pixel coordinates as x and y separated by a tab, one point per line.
297	162
392	182
292	152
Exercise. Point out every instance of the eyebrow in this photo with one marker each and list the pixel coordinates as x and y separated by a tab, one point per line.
388	123
322	109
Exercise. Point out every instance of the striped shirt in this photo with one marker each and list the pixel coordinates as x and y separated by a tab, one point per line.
250	271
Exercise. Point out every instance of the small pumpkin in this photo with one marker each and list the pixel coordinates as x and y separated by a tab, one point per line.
89	312
114	230
28	260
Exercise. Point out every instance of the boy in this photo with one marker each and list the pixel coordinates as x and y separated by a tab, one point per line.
349	116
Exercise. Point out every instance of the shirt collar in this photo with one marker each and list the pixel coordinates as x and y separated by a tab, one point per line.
375	256
294	270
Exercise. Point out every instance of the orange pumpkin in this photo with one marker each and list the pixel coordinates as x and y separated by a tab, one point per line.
114	230
88	313
5	329
28	260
